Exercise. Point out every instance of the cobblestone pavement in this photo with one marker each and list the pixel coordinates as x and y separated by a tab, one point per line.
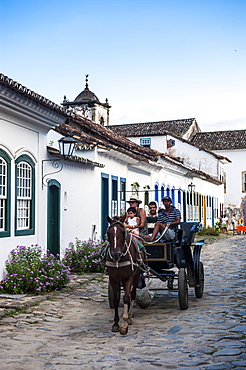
72	329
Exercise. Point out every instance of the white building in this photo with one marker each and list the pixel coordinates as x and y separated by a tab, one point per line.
232	144
47	200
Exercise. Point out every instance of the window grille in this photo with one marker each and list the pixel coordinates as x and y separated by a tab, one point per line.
3	193
146	142
24	193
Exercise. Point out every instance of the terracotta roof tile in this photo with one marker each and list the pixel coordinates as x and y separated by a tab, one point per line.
178	127
91	133
221	140
16	86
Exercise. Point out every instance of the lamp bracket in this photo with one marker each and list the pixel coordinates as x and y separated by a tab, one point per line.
57	164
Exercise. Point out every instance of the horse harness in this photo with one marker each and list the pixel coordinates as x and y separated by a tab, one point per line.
130	262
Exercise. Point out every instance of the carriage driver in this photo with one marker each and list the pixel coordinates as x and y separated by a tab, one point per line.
170	215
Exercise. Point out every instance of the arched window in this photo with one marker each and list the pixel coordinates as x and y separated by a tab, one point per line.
168	192
25	196
162	191
4	194
179	196
173	196
156	193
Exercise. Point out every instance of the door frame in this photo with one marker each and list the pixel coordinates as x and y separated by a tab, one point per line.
53	217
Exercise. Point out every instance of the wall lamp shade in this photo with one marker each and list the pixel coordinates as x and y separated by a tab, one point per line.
66	146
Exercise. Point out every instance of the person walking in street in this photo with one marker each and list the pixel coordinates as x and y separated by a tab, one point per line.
224	224
234	223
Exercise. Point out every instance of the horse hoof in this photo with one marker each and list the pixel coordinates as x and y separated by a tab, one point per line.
115	328
129	321
123	330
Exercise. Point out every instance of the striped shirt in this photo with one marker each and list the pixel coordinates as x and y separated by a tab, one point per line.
171	217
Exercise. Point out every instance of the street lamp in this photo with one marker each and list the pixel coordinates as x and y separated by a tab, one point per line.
66	146
191	188
66	149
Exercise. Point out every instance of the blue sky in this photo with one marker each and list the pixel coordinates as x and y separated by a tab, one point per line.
153	59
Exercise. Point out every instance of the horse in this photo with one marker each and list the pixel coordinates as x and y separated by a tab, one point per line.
122	261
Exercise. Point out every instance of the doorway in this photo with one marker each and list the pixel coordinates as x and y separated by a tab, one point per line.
53	217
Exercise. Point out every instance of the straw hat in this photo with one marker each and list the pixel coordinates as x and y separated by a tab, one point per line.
134	198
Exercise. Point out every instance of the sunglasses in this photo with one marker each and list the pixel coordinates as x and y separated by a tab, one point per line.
132	202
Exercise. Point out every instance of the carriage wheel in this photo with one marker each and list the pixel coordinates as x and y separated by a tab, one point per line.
199	289
183	289
111	295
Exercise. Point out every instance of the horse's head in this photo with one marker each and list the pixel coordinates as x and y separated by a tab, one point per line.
116	234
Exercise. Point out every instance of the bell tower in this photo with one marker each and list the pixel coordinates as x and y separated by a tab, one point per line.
87	105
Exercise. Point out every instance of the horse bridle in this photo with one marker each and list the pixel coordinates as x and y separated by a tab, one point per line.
124	263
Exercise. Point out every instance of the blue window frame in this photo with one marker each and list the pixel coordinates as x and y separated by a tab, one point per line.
173	196
114	207
5	195
156	193
179	196
122	195
146	142
24	196
162	191
168	192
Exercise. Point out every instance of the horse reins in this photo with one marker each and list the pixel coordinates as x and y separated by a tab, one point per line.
157	240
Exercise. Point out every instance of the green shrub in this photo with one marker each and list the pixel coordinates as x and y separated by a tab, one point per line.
31	271
83	256
209	231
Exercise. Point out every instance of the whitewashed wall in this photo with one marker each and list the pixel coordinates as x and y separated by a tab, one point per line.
234	193
21	134
157	142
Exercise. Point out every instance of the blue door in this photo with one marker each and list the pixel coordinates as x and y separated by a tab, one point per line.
104	203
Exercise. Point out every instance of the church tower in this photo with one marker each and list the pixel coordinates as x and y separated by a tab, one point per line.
87	105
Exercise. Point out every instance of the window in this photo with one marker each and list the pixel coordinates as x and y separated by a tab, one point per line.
4	194
244	181
24	196
114	209
156	193
122	195
162	191
168	192
145	142
173	196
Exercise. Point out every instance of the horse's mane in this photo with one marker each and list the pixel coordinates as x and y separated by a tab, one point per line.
118	218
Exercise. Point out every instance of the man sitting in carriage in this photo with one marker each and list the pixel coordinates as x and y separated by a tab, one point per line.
170	216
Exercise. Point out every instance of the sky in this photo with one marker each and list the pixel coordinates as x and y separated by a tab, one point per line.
154	60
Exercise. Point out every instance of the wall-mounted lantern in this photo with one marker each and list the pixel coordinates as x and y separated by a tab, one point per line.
66	149
66	146
191	187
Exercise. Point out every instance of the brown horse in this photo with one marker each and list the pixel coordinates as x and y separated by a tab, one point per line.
122	263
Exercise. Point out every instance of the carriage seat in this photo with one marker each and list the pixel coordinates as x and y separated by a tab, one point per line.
189	231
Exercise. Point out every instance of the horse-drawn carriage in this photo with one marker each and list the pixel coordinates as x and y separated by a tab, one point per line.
164	256
163	259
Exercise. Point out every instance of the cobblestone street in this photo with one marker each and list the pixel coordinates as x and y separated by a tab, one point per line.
72	329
